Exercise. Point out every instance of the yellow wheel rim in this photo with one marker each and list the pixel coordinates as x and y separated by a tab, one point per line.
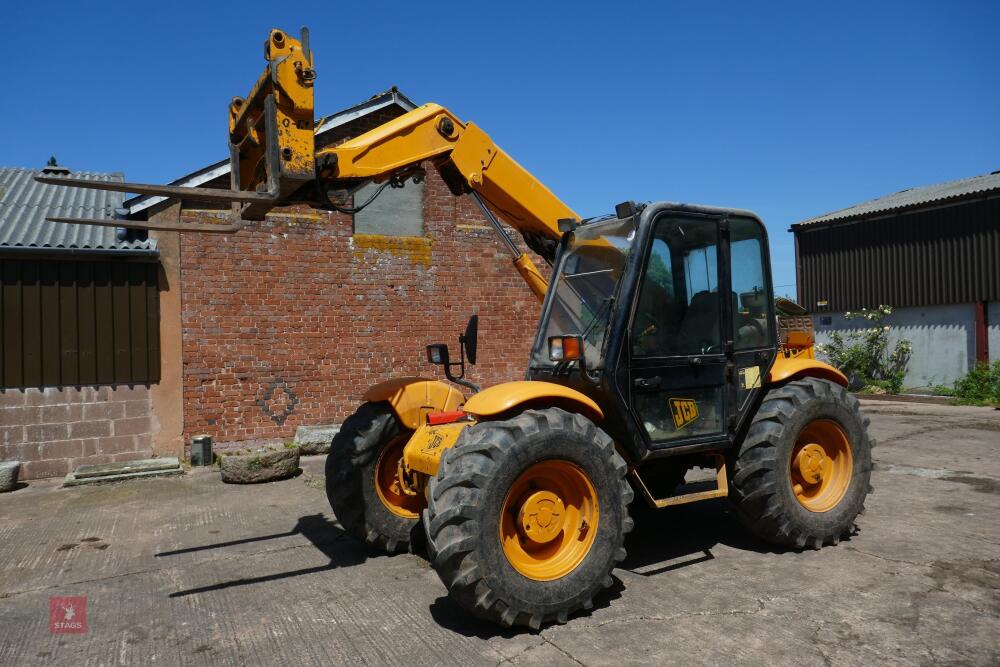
549	520
387	483
821	465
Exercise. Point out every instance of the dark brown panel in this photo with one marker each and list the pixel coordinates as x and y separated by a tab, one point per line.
69	340
2	348
31	325
72	322
13	348
120	322
936	257
104	319
86	324
49	326
137	322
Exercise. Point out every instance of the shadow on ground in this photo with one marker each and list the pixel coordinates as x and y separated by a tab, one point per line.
662	541
324	534
450	616
671	538
17	487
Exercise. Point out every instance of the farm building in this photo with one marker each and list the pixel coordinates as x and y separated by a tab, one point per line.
932	252
79	330
287	322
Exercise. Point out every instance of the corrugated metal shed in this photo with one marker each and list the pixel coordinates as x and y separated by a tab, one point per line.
913	198
25	203
943	254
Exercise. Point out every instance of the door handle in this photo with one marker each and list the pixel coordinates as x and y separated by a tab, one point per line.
647	383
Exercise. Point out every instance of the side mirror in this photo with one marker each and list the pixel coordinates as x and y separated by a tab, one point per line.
437	354
470	339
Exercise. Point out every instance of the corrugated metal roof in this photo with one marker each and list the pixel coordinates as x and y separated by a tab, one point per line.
25	203
913	198
204	175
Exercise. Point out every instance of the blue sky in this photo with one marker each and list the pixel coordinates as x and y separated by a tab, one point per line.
788	109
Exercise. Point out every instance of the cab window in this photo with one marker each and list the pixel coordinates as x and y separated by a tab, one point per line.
751	321
678	312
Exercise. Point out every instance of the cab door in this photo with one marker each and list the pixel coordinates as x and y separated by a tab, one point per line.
702	334
678	357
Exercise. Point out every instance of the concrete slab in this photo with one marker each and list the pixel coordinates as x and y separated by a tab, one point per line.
145	465
191	571
106	473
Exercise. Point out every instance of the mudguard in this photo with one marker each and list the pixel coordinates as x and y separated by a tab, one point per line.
412	398
791	368
504	397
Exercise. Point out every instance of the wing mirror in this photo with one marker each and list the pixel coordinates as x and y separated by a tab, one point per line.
437	354
470	339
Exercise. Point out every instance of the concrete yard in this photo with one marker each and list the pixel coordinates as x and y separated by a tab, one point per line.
187	570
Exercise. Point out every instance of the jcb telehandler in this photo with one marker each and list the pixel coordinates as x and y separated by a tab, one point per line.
658	350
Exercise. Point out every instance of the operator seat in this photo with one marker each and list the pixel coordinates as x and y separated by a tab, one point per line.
701	327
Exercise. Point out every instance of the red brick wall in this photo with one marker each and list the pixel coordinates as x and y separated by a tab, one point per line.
296	315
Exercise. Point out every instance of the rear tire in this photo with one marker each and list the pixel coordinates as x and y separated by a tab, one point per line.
771	497
466	522
369	443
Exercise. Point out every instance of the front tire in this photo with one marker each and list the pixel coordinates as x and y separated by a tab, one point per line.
360	476
527	517
803	471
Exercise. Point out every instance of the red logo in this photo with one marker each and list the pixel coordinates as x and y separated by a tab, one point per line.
68	615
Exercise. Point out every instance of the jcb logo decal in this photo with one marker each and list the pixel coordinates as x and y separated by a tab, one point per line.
434	443
684	410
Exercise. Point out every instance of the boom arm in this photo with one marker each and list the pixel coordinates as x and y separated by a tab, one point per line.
468	160
275	163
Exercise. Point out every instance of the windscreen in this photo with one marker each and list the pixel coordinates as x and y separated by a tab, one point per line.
582	295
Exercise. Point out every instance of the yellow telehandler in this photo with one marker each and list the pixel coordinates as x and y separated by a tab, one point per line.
660	348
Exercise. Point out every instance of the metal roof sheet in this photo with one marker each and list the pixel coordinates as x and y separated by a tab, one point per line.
25	203
912	198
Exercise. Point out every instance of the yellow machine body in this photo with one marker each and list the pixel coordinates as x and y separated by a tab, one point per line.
505	397
423	451
791	368
413	398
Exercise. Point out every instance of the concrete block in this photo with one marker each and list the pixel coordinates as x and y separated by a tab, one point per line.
136	408
91	446
118	444
28	451
11	398
61	449
54	414
43	469
106	410
90	429
46	432
11	435
316	439
41	397
133	426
